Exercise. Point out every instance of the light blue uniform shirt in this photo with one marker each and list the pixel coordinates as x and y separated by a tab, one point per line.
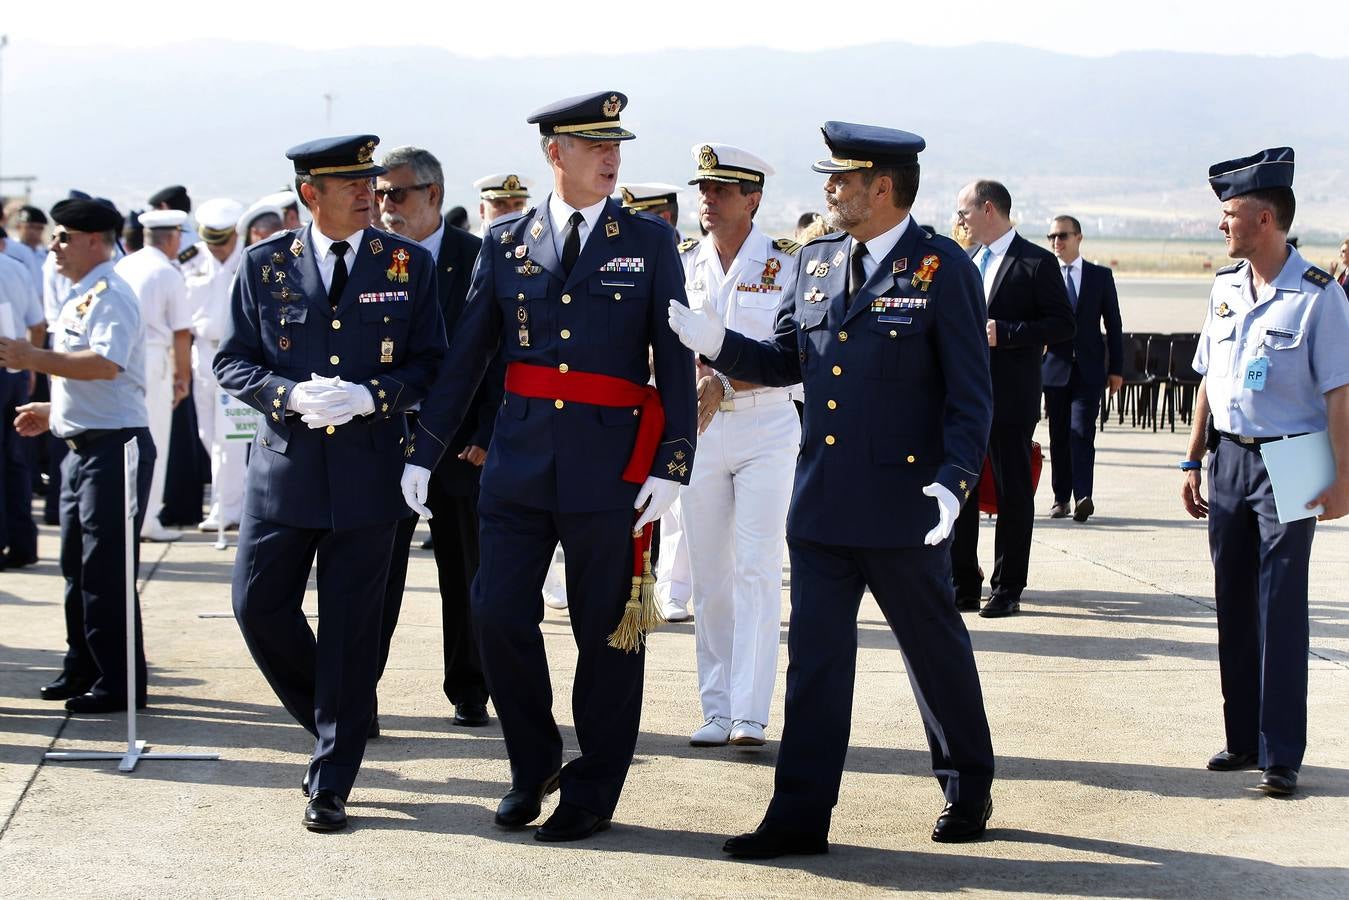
100	314
18	292
1299	325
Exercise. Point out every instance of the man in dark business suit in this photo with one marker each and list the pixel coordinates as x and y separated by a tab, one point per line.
410	194
1074	371
1027	309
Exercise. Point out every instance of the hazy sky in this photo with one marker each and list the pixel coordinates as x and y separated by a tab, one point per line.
527	27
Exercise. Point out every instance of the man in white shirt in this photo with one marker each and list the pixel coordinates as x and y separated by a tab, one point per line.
208	268
167	315
735	506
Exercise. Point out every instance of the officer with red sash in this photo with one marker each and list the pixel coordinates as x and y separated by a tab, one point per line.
573	294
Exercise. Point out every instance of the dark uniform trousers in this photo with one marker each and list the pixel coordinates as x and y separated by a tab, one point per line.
1009	458
1072	411
93	559
18	532
314	676
912	586
1260	582
454	536
517	546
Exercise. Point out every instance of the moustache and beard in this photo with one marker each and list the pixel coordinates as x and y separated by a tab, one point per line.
845	214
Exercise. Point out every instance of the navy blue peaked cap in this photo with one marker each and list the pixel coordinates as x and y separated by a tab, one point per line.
590	116
1271	168
853	147
347	156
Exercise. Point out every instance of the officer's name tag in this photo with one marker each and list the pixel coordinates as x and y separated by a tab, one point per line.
383	297
1256	370
896	320
625	264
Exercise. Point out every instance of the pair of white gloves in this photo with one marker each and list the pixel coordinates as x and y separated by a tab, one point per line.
324	401
703	333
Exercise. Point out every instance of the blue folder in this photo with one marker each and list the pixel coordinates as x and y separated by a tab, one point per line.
1300	468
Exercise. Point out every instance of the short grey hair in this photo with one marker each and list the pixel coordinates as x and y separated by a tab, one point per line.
158	237
425	167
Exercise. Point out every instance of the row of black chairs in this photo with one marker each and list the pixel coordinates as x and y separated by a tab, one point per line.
1158	371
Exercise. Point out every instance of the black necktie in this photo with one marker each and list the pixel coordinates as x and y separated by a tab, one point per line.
571	248
339	283
856	274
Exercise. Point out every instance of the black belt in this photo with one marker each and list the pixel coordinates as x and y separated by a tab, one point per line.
1242	439
82	440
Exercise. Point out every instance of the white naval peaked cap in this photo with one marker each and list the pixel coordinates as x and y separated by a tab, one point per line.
646	194
163	218
732	165
500	185
259	208
216	219
280	199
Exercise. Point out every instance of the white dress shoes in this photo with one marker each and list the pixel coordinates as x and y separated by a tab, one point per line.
714	733
745	733
674	611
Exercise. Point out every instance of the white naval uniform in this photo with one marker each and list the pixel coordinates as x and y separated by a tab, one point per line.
164	309
208	295
734	508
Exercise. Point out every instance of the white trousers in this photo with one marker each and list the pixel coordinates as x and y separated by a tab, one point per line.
673	581
159	406
735	516
227	457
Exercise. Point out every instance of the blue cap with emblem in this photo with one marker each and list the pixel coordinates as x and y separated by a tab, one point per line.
590	116
853	147
348	156
1267	169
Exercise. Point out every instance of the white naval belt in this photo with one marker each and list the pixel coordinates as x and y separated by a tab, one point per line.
755	398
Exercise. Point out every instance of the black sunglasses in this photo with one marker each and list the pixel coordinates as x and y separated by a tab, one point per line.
398	195
1060	235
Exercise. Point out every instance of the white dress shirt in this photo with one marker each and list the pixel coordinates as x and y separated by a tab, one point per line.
880	246
434	239
327	261
999	248
561	216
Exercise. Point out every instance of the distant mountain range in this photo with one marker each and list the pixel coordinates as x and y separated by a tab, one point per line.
1124	142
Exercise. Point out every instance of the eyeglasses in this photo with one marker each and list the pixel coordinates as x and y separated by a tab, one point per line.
1060	235
398	195
963	214
61	236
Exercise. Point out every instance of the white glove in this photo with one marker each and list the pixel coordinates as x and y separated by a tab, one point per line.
315	395
338	402
658	494
702	331
948	507
414	483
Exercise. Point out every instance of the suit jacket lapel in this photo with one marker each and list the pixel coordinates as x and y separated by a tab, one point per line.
1008	260
835	283
445	277
884	277
599	245
308	267
538	239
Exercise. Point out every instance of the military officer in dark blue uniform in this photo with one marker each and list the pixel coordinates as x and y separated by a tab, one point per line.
335	332
572	294
884	326
1274	366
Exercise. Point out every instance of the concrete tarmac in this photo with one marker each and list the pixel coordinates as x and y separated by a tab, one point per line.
1103	697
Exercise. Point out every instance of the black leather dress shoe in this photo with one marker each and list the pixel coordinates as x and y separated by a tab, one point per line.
521	806
325	812
956	824
304	783
1279	781
1227	761
999	606
570	823
99	703
14	560
766	842
1084	510
1059	511
65	687
968	602
470	715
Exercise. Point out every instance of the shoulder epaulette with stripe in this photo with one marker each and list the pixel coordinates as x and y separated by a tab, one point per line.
686	246
188	254
1316	276
787	246
1225	270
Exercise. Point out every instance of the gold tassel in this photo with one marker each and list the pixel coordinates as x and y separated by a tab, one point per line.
652	617
628	636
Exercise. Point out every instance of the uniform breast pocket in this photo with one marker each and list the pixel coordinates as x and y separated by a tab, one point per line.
898	345
283	333
1222	345
617	305
384	329
755	312
1284	347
